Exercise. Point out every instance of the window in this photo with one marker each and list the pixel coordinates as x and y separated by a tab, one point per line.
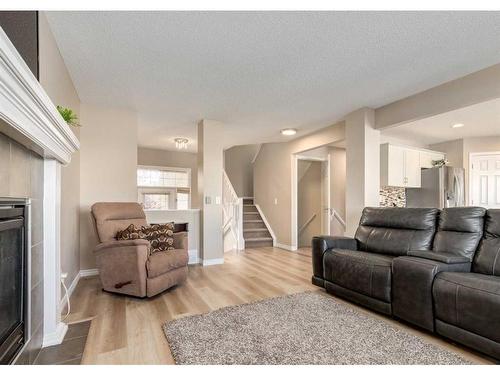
182	200
155	201
163	188
162	178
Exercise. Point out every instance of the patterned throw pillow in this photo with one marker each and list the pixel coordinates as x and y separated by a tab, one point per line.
160	236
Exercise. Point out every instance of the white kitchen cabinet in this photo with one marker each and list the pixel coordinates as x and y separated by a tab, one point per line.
400	166
412	170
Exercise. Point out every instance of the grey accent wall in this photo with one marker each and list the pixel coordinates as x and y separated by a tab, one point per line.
21	176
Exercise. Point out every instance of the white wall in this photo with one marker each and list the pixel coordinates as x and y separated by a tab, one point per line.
108	166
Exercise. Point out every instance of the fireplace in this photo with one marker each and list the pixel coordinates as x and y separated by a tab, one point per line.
13	277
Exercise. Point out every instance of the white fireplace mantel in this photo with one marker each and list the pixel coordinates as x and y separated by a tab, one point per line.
30	118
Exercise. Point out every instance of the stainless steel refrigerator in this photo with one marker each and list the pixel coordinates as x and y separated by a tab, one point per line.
441	187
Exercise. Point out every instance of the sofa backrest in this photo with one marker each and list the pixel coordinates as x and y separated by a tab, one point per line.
110	217
459	231
487	259
395	231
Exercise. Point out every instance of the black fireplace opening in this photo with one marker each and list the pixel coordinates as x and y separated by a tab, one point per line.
13	277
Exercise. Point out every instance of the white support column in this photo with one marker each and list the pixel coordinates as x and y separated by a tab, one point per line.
362	165
53	329
210	177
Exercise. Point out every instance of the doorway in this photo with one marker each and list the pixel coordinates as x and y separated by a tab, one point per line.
311	200
485	179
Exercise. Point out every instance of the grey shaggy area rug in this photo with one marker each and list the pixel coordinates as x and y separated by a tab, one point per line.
303	328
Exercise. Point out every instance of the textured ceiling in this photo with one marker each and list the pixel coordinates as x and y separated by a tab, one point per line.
258	72
480	120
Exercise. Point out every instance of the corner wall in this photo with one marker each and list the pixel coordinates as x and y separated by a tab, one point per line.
108	167
239	168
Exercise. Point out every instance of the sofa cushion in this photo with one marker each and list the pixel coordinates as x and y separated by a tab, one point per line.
395	231
460	230
470	301
487	259
165	261
364	272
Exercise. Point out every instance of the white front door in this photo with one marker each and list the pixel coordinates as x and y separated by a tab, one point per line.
485	180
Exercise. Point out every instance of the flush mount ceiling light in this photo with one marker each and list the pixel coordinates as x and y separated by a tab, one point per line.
181	143
455	126
288	131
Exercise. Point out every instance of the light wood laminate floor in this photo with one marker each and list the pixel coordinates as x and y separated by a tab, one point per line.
126	330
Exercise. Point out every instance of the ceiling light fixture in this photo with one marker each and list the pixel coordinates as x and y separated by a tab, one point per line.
288	131
181	143
455	126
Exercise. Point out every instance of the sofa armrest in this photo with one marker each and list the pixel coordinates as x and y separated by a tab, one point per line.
320	244
122	266
443	257
121	243
412	281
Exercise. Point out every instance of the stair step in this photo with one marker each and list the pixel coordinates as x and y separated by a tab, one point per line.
254	224
247	200
249	208
257	239
255	230
254	243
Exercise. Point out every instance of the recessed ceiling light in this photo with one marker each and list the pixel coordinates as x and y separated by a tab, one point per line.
455	126
288	131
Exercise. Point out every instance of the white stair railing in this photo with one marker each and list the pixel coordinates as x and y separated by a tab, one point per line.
233	212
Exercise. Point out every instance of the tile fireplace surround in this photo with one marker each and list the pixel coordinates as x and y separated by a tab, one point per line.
34	143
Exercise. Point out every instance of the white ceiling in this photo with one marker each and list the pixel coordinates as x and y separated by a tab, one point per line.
258	72
480	120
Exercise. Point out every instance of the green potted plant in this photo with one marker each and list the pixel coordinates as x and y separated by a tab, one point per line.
69	116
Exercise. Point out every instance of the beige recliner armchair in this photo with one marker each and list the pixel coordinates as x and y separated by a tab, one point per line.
126	266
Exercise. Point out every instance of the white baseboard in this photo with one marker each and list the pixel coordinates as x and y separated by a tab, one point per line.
89	272
212	262
57	337
286	247
193	256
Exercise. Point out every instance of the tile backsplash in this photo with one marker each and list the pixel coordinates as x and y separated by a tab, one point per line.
391	196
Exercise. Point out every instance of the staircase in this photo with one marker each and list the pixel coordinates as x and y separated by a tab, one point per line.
255	232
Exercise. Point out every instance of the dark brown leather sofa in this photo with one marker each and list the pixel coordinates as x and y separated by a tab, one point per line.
432	268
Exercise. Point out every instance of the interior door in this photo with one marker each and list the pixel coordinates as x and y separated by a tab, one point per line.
485	180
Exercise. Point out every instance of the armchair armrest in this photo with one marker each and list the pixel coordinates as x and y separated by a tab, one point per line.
121	243
122	266
443	257
181	240
320	244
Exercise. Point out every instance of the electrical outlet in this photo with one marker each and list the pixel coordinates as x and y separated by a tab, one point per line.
275	201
